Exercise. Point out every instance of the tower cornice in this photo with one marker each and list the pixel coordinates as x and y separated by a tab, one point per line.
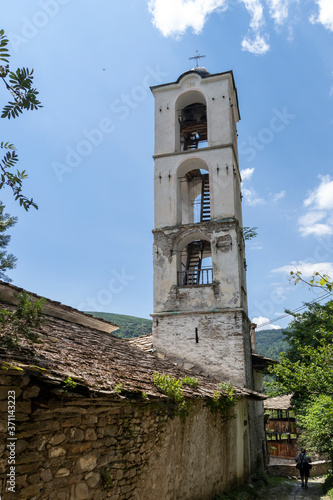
206	78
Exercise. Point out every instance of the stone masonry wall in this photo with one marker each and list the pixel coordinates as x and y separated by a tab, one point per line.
223	346
71	447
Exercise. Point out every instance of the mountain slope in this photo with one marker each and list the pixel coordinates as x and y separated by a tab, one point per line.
270	343
130	326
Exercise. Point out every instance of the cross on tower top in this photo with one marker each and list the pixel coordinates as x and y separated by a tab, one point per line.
196	57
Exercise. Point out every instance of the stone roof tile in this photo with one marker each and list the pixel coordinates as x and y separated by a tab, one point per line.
98	361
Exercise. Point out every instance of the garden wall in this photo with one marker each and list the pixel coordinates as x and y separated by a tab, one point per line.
69	446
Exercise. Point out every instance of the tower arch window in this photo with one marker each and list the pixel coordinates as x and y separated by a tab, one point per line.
194	201
195	264
191	129
193	126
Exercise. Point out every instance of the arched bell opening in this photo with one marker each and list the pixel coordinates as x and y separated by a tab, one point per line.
195	264
191	130
194	203
193	126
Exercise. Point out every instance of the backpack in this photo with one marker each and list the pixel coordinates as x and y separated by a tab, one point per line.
303	464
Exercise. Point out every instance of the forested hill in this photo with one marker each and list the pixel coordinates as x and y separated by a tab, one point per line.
270	343
130	326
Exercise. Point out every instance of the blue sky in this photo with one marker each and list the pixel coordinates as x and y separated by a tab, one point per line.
89	151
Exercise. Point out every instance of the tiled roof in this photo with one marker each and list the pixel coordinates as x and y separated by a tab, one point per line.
55	309
278	403
98	361
144	342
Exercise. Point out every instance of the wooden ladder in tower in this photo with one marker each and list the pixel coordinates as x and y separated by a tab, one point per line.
193	264
205	199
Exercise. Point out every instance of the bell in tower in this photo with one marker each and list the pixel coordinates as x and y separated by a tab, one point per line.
200	300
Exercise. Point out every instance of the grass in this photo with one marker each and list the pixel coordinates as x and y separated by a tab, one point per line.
328	485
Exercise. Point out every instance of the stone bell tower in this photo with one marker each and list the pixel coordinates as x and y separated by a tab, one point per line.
200	300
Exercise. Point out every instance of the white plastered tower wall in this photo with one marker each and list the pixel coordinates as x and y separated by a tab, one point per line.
200	322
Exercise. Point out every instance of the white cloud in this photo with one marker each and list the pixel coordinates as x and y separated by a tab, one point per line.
261	323
279	196
306	268
246	173
255	8
311	218
318	221
317	230
279	10
174	17
322	196
256	45
325	14
251	198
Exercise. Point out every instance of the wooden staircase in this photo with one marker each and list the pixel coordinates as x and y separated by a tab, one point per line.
205	199
193	264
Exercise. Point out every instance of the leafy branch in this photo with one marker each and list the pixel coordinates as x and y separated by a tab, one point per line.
317	280
13	180
249	233
20	84
25	96
7	260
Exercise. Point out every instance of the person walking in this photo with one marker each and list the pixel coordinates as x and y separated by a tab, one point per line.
303	465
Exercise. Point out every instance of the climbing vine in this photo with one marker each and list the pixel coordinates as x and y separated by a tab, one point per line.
224	401
173	388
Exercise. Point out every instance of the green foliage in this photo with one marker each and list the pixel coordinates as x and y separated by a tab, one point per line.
4	53
190	381
13	180
223	401
316	421
249	233
328	485
7	260
24	97
306	370
311	374
118	388
311	328
130	326
69	384
169	386
270	343
173	388
23	322
318	280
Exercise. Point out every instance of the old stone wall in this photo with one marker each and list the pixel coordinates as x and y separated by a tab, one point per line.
319	468
70	447
222	348
228	289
